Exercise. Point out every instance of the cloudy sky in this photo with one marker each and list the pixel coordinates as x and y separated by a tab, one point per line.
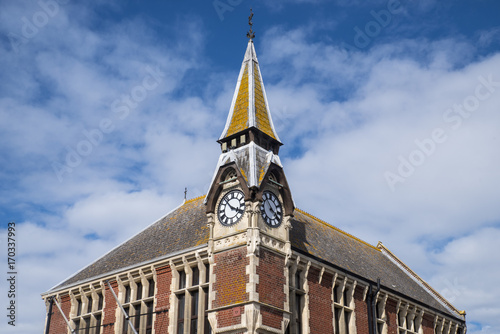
389	112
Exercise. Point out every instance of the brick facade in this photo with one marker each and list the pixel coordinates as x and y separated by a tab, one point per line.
361	311
271	287
320	302
428	324
271	272
230	277
57	323
230	316
391	314
109	310
163	283
271	317
230	284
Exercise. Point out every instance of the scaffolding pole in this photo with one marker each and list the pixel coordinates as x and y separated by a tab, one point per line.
121	307
62	313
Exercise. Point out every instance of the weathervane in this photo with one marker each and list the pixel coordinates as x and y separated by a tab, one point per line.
250	33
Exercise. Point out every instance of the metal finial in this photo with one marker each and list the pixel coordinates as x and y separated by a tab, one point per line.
250	33
185	193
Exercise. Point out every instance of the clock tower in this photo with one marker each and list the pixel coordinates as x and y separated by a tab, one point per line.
249	206
230	262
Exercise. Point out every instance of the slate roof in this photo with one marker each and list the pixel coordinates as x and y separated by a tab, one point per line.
186	228
249	107
313	236
181	229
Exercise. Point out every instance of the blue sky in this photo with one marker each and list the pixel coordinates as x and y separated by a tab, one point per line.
388	111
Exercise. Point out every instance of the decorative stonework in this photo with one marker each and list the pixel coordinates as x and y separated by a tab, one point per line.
253	242
252	313
272	243
230	241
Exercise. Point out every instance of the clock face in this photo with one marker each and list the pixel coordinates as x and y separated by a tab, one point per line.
271	209
231	207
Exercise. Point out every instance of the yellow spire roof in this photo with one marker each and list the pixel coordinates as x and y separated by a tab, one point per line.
249	107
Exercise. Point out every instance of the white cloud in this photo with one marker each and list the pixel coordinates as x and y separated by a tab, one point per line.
470	274
117	214
488	37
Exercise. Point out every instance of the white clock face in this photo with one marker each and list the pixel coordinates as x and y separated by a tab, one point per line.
271	209
231	207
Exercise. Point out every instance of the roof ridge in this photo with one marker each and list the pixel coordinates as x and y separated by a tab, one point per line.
336	229
194	199
419	279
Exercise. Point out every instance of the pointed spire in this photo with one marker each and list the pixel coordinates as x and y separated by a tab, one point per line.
249	117
249	141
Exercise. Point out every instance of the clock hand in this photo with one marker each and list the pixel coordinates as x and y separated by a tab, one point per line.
235	208
272	209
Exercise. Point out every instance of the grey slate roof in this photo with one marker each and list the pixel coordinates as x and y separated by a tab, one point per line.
186	227
183	228
313	236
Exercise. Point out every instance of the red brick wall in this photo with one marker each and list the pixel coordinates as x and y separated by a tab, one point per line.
271	285
271	317
230	277
391	314
428	324
360	311
230	316
272	278
320	302
57	323
163	282
109	319
230	284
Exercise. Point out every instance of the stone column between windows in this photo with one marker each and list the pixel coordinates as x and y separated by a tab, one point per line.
251	316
